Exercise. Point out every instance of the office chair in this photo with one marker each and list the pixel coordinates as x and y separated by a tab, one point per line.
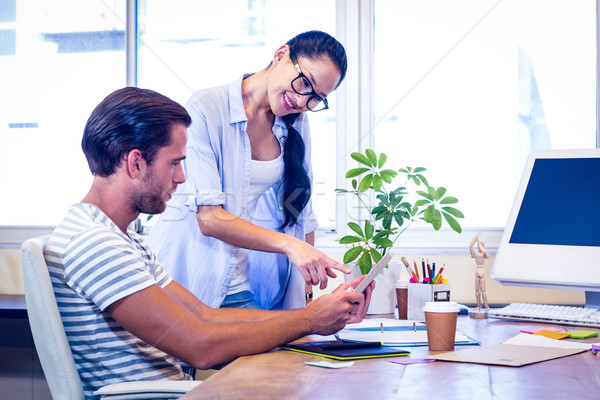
53	348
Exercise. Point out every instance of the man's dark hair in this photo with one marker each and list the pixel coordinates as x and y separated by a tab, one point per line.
127	119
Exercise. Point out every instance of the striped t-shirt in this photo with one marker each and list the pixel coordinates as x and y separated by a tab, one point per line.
93	264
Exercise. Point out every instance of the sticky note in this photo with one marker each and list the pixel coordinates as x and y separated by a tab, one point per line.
582	334
327	364
532	331
552	334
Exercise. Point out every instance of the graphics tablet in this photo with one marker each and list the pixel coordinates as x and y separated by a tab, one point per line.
346	351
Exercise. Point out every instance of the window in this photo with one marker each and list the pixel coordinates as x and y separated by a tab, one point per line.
467	89
59	66
463	88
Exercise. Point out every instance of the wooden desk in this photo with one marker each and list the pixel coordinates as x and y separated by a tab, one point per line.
283	375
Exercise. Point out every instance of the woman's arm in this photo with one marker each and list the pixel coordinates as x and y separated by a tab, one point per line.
314	266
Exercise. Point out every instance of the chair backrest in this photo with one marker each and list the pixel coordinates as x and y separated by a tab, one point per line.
46	324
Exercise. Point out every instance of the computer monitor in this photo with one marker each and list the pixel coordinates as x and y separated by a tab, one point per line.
552	237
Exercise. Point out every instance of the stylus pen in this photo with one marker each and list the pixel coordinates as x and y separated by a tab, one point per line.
351	345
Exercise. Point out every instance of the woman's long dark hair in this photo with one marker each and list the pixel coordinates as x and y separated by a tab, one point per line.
296	184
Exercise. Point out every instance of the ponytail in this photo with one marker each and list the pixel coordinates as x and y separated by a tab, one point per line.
296	184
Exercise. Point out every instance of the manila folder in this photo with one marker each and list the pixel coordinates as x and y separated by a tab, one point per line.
505	354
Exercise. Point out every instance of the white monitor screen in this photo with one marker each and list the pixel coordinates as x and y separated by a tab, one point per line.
552	238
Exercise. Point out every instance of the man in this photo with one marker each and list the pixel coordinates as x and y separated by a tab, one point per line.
125	318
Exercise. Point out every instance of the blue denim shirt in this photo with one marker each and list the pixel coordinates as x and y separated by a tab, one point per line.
217	169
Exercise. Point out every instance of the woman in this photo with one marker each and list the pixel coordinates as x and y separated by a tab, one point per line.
244	213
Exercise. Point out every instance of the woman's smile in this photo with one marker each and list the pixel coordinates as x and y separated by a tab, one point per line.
288	102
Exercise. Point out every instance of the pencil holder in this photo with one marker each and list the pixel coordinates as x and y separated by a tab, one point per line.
421	293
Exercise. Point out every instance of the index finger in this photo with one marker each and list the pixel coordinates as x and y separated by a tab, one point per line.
340	267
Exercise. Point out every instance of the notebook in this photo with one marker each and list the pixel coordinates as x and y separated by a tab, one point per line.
339	350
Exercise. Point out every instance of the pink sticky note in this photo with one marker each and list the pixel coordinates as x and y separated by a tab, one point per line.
532	331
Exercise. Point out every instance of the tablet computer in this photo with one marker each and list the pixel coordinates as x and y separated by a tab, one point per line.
373	273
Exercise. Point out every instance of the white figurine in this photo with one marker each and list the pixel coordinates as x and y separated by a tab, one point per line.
479	257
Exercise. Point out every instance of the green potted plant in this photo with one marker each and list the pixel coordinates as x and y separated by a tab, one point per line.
395	210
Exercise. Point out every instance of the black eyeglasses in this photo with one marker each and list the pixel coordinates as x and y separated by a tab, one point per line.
303	87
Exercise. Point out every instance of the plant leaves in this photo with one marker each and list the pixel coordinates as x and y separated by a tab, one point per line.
383	233
452	222
432	193
387	220
384	199
355	172
369	229
386	177
436	220
425	194
372	157
421	202
350	239
365	263
423	179
365	183
377	211
382	160
351	254
399	218
456	213
449	200
377	182
361	159
440	192
375	255
383	242
356	228
428	214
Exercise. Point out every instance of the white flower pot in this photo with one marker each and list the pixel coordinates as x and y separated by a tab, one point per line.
383	299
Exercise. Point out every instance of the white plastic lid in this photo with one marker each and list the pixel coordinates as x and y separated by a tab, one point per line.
440	306
401	284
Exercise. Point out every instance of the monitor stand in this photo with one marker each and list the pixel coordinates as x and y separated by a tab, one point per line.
592	300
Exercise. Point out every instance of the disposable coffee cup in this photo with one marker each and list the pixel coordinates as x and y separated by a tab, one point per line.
402	299
440	322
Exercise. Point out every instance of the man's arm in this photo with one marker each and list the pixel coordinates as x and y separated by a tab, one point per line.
202	337
204	312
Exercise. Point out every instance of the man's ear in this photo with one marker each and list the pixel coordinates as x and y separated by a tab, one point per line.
135	163
281	53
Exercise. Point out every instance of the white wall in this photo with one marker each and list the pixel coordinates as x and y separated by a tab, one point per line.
459	269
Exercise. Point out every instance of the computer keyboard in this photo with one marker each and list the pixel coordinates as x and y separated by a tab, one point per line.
561	315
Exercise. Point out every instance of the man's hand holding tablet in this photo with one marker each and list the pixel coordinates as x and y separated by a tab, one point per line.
373	273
